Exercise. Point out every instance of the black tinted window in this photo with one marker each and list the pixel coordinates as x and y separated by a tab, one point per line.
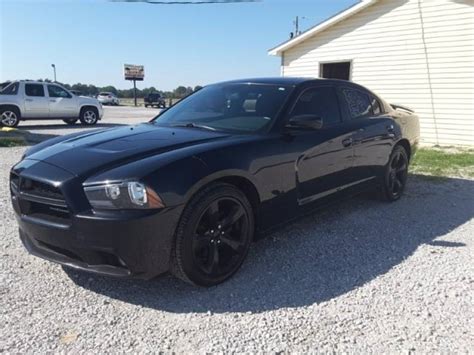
34	90
56	91
375	106
11	89
321	102
357	102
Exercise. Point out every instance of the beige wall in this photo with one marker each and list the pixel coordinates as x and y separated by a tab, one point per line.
415	53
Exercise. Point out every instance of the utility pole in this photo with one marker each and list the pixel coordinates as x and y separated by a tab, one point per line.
135	91
296	22
297	28
54	69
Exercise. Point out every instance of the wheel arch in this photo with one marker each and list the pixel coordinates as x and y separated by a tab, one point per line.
87	105
11	106
237	178
406	145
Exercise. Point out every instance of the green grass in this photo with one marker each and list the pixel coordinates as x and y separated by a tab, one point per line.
444	162
12	142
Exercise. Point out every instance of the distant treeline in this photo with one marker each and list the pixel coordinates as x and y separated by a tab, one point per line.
92	90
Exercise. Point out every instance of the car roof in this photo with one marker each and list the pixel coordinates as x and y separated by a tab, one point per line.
287	80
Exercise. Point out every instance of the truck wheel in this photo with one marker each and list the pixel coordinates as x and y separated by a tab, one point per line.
70	121
9	117
89	116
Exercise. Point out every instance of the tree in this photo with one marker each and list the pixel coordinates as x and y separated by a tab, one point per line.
197	88
180	92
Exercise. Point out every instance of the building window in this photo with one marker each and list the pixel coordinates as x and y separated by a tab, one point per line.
341	70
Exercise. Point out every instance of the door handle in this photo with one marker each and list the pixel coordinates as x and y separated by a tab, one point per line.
52	100
347	142
29	100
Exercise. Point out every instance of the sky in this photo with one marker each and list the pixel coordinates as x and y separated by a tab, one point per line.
89	41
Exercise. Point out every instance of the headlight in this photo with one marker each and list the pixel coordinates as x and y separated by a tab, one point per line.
125	195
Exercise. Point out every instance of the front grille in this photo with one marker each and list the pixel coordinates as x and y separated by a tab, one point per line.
14	181
40	189
40	200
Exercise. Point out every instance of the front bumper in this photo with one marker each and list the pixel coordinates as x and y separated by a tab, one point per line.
134	244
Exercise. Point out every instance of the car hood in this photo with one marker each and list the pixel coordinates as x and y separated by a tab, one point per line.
101	150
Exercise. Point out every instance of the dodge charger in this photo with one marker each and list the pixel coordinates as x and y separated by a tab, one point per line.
188	191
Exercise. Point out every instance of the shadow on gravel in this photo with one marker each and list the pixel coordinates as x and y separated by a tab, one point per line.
317	258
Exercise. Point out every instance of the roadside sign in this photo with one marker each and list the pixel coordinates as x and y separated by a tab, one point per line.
133	72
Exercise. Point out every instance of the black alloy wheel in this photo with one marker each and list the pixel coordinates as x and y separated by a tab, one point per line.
214	235
396	174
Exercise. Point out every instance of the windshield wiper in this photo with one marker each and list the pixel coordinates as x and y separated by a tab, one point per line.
194	125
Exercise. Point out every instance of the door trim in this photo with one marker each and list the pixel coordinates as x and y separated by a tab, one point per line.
313	198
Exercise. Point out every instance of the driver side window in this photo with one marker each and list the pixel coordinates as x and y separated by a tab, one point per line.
56	91
321	102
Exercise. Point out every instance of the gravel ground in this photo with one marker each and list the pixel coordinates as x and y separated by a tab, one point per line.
364	276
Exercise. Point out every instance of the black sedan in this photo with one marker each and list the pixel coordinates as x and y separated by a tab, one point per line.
188	191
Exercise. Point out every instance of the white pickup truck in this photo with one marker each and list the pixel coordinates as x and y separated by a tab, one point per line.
25	100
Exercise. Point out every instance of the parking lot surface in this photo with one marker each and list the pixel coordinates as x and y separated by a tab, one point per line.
360	276
113	116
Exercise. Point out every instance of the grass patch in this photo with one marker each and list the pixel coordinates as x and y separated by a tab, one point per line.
12	142
444	162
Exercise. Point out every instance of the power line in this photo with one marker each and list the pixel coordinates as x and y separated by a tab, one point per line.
197	2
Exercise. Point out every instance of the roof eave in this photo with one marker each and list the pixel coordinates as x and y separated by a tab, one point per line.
321	26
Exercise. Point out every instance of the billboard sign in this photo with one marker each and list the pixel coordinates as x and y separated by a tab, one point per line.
133	72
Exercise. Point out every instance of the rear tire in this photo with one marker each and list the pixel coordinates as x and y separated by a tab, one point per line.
89	116
70	121
395	175
213	236
9	117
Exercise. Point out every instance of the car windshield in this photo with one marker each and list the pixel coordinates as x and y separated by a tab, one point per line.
244	108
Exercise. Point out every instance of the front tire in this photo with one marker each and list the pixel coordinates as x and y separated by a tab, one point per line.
395	175
9	117
213	236
89	116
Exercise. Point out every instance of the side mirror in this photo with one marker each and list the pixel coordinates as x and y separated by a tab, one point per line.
305	122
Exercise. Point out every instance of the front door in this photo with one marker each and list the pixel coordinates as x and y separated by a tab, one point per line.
61	103
325	155
36	102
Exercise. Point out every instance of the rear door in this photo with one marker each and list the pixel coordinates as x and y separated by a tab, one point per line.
373	131
325	155
36	102
61	103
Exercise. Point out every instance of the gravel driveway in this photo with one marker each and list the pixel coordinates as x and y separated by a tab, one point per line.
363	276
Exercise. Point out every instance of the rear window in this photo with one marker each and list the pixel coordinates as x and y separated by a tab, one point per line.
357	102
34	89
375	106
10	89
105	94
